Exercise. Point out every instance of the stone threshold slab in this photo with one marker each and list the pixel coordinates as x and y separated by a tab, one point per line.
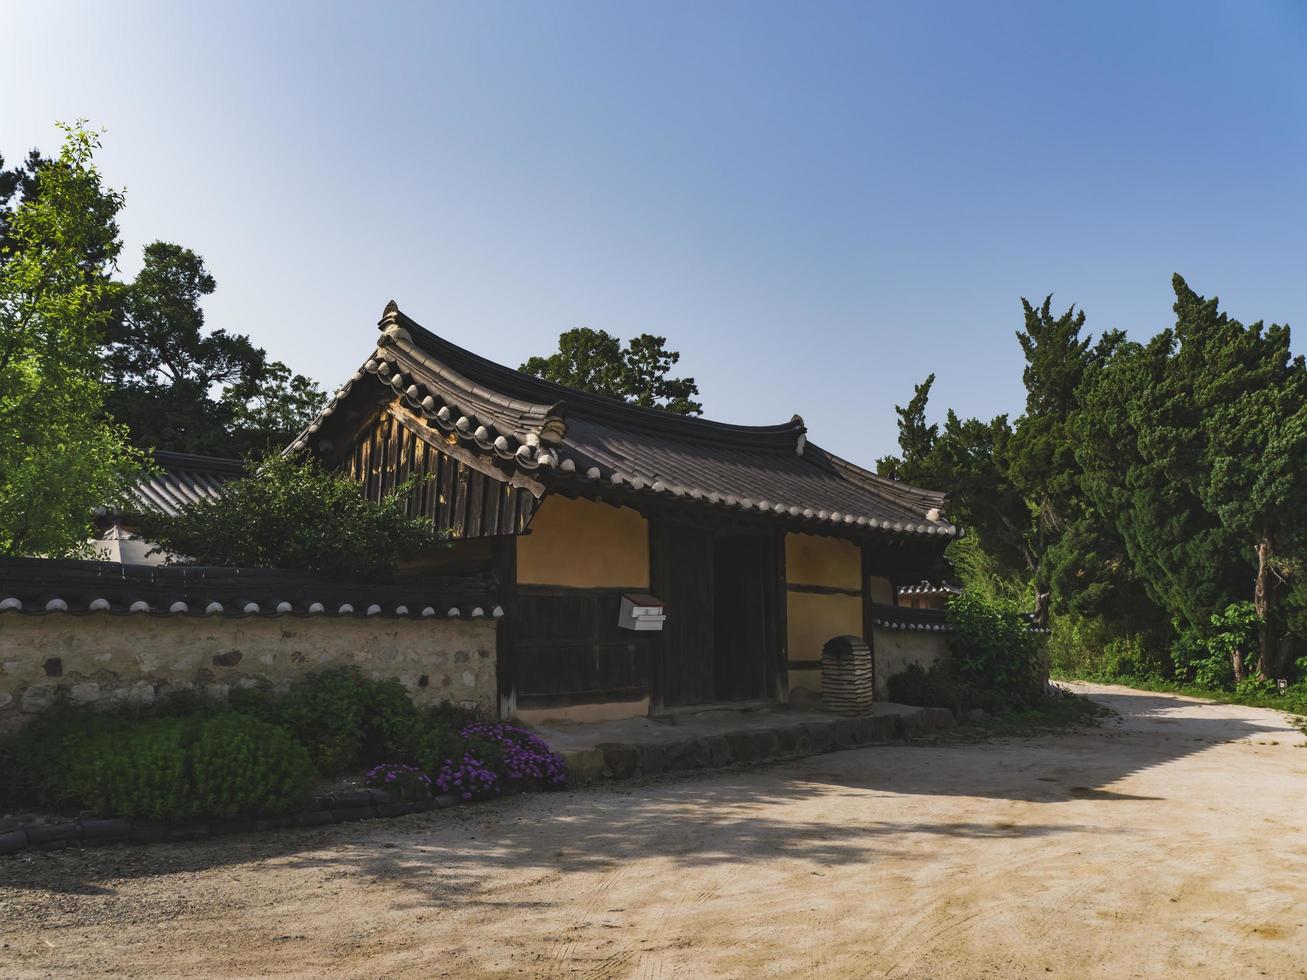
713	743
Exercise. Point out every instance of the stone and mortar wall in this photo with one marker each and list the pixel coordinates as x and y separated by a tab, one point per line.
895	649
107	660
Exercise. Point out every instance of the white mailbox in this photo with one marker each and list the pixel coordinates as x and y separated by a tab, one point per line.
641	612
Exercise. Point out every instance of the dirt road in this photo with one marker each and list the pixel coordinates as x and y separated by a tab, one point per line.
1170	843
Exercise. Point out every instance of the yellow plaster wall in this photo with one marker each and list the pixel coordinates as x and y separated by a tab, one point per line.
584	544
880	590
811	620
814	560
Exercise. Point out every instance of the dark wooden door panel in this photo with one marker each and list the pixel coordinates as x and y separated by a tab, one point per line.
568	649
683	579
743	656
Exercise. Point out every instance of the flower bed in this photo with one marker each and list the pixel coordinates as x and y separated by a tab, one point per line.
187	766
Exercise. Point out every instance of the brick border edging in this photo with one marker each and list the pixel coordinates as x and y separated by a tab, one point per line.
343	807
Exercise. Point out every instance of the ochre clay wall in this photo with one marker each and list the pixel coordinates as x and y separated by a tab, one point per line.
880	589
104	659
812	618
811	559
584	544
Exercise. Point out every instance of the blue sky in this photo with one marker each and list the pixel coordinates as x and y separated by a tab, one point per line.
818	204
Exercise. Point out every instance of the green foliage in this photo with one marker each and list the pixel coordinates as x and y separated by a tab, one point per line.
938	686
408	782
439	742
1090	647
1015	486
176	769
240	765
1057	711
132	772
1145	487
1192	446
59	458
343	717
1225	648
293	514
994	649
593	360
178	387
996	662
32	758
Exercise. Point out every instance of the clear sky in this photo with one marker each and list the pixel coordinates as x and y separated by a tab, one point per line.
817	203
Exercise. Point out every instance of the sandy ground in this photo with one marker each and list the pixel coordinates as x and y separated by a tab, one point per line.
1170	843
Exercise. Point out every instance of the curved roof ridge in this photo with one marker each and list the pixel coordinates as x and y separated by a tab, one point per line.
905	493
479	371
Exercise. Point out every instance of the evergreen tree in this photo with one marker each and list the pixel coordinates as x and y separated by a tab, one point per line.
179	387
1250	396
1194	446
1079	559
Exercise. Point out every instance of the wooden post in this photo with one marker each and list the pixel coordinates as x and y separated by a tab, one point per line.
504	568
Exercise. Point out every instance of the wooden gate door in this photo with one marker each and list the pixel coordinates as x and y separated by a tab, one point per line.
682	577
743	650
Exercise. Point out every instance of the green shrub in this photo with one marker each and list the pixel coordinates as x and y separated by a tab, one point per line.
240	765
220	766
439	742
993	648
1234	634
1132	656
137	771
924	688
343	718
940	686
291	513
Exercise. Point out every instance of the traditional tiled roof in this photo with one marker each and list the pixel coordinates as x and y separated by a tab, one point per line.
905	618
583	442
46	586
928	589
181	479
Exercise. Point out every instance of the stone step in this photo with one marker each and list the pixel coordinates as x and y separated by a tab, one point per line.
624	760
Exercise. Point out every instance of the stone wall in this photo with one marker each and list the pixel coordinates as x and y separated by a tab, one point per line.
895	649
106	659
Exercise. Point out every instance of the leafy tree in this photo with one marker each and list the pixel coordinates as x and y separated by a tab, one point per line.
178	387
594	360
1232	639
292	514
59	458
21	184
